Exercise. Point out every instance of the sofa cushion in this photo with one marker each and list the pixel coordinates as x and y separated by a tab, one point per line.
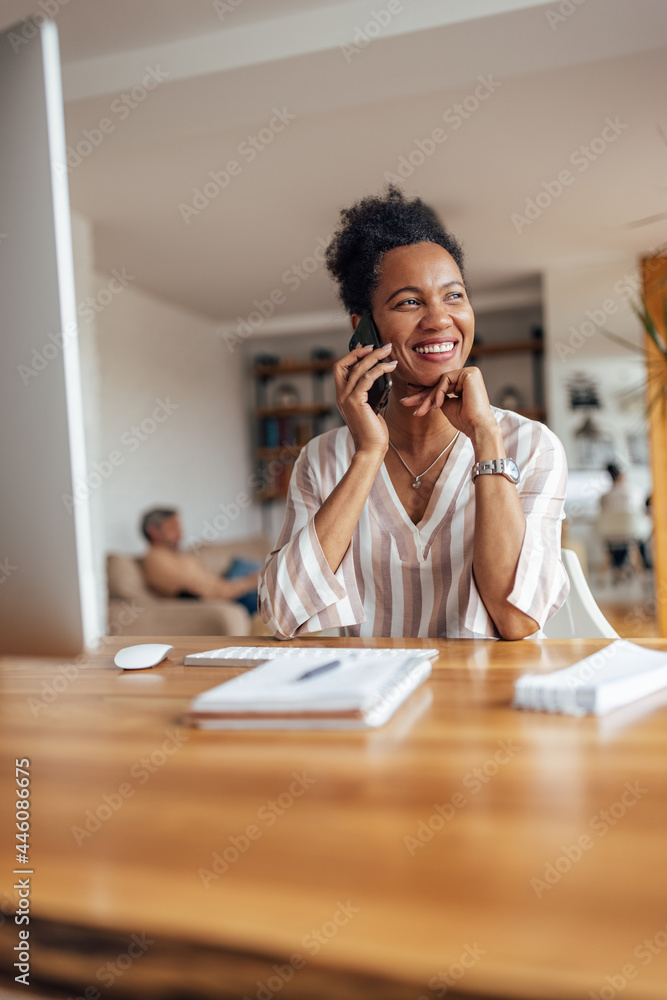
126	579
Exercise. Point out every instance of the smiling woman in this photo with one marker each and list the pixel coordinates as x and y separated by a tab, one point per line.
439	516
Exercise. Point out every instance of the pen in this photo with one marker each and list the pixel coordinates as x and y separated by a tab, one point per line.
317	670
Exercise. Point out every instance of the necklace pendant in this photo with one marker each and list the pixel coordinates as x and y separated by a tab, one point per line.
416	484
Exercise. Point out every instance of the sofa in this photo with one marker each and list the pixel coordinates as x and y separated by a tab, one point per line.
137	610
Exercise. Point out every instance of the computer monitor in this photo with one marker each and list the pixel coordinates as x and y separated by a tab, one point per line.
47	586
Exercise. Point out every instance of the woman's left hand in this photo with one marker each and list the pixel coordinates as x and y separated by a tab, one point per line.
462	397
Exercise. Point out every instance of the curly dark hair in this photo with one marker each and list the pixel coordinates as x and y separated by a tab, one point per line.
372	227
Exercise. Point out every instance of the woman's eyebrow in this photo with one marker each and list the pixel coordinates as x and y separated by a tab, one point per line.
414	288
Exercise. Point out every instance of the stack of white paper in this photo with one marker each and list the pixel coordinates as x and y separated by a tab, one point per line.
345	692
614	676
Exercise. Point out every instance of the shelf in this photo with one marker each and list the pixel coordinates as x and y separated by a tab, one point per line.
533	412
511	347
302	410
294	368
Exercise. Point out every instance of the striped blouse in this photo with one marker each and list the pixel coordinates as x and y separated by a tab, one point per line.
403	579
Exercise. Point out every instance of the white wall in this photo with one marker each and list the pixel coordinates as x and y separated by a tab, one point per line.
175	420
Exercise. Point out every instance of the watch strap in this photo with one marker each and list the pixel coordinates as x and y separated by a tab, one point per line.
506	467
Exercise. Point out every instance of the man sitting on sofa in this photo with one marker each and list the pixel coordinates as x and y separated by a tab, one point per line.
173	573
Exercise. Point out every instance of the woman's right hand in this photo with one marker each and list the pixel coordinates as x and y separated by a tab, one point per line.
354	374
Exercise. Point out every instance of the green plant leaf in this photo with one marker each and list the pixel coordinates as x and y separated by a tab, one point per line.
621	340
641	312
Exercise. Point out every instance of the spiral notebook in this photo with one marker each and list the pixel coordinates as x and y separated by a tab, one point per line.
615	676
346	691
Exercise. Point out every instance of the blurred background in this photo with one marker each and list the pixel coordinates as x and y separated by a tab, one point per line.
211	146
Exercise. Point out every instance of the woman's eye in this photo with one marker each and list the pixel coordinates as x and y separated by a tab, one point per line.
408	302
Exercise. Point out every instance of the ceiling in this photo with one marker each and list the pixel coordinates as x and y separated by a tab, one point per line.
347	116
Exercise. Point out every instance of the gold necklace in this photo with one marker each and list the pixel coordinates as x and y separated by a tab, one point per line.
416	483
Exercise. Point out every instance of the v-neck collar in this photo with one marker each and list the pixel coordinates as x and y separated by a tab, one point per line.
449	474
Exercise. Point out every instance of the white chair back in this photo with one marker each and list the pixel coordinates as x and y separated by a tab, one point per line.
579	617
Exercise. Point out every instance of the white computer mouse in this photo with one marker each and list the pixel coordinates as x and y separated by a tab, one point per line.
146	654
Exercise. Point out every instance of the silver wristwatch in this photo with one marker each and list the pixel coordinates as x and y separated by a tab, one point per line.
506	467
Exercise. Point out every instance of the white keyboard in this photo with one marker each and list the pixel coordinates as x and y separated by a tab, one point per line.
252	656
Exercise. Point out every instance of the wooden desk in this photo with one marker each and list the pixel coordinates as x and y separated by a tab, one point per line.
319	879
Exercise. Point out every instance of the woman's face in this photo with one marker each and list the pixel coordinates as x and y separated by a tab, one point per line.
421	307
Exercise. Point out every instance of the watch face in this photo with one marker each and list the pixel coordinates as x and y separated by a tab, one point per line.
512	470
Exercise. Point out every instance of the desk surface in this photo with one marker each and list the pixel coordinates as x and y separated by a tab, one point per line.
464	849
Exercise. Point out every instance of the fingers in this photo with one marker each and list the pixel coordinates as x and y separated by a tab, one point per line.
354	376
343	367
428	398
357	355
425	406
423	401
363	363
360	389
461	395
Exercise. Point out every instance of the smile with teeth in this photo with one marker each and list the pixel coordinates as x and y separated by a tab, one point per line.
443	348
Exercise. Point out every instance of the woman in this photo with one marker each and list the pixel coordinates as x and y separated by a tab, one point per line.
393	528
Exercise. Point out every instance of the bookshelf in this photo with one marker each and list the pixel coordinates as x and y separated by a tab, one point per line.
283	427
482	355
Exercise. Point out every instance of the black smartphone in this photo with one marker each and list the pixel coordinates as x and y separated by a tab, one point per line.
367	333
